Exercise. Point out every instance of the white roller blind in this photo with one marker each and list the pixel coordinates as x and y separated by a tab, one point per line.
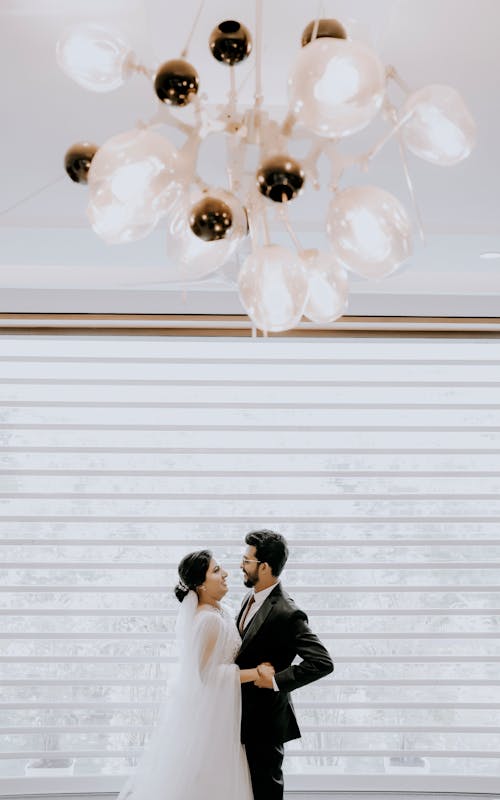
379	459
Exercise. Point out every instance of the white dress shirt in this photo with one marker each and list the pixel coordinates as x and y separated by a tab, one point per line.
259	598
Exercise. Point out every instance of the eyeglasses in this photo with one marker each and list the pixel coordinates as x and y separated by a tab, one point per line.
250	561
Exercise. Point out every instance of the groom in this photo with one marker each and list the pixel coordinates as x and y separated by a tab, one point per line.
273	630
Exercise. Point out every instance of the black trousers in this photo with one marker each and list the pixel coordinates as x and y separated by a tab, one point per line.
265	762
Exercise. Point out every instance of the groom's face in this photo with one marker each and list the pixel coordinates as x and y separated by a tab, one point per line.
250	567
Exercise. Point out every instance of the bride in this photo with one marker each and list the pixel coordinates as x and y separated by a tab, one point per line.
195	750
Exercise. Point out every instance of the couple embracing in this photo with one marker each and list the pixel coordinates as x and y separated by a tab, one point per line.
222	728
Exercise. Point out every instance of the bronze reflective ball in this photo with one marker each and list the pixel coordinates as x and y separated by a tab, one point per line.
176	82
230	42
77	161
327	28
210	219
280	178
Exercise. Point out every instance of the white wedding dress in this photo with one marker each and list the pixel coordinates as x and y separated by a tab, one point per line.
195	751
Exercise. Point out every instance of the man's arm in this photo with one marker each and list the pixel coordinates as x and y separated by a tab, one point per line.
316	661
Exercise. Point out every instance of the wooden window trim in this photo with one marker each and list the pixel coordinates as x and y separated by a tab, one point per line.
239	325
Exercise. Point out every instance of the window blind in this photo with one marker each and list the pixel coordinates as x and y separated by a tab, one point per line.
378	459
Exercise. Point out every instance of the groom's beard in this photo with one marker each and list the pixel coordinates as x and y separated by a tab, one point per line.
249	580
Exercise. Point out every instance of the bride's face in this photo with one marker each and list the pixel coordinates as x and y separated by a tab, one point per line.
215	580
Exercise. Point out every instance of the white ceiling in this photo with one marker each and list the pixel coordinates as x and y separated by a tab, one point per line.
50	260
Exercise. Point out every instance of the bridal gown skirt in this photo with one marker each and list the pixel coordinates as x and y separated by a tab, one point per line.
195	752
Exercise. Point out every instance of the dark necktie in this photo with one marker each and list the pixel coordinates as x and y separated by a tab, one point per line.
247	609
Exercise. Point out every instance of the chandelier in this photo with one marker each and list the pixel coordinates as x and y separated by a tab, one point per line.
336	88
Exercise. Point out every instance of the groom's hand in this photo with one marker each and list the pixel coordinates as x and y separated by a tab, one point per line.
265	679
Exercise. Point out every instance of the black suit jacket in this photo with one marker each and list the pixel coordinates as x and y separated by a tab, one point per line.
278	632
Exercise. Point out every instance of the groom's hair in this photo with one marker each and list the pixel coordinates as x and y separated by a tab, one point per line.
270	547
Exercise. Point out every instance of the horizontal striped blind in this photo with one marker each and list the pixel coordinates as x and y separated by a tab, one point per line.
379	459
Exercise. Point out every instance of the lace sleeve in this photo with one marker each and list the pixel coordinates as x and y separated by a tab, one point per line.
207	644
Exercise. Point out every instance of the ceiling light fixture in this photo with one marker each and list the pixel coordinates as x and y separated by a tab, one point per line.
336	88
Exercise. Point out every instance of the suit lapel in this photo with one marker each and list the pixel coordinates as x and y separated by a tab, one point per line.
258	620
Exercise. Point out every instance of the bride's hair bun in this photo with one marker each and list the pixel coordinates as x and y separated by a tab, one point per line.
181	591
192	572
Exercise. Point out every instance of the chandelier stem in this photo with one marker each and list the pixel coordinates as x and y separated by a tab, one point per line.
288	124
254	212
232	91
388	136
189	152
319	14
259	97
394	75
397	123
185	50
411	189
164	116
265	224
246	78
140	69
310	163
338	164
283	212
231	128
314	34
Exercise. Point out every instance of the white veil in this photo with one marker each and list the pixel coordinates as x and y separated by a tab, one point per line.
195	749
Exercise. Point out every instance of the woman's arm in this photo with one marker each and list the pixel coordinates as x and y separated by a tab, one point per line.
248	675
252	675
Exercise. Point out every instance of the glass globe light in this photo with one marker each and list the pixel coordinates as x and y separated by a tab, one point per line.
194	256
77	160
328	287
273	286
133	178
336	87
176	82
114	222
230	42
211	219
369	230
441	129
96	58
331	28
280	178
